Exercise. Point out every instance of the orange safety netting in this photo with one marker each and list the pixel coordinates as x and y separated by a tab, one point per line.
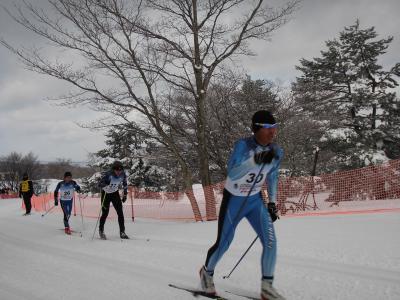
370	189
8	196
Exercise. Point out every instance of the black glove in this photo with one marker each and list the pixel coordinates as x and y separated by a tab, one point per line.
273	211
55	202
264	157
123	198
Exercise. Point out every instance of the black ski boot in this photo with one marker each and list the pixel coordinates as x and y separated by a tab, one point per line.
123	235
102	235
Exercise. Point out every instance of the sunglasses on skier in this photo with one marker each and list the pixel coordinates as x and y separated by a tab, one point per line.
266	125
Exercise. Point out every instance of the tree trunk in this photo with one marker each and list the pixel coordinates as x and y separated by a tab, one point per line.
189	193
373	124
201	121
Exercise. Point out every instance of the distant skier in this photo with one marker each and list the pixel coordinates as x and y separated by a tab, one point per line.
66	189
242	199
110	183
26	192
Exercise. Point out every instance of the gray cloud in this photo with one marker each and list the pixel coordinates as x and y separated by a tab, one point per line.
27	123
316	22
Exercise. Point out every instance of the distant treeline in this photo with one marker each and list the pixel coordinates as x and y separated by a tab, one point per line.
14	165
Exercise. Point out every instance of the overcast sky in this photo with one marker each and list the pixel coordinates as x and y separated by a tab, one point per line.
30	123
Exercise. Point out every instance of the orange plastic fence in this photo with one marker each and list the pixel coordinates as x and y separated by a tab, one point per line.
8	196
370	189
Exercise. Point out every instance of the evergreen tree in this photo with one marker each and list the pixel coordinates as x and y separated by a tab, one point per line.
349	94
138	155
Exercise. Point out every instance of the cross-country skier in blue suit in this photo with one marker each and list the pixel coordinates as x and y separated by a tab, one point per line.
255	160
66	189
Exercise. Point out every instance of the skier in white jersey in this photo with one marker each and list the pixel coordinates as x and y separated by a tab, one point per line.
255	160
110	184
66	189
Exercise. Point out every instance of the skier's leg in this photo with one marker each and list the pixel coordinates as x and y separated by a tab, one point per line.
68	210
227	222
27	203
117	203
63	205
104	209
261	222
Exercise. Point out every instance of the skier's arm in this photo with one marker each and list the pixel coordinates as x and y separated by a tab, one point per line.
105	180
30	183
56	192
20	190
273	175
240	162
77	187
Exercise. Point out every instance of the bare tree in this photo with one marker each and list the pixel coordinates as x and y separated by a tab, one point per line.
14	165
57	168
136	51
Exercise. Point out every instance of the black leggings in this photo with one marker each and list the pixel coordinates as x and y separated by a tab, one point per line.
117	203
27	202
221	219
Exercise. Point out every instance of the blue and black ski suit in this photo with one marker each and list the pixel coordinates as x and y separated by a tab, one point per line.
66	191
110	184
242	199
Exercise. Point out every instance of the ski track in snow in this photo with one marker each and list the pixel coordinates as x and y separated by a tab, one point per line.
38	261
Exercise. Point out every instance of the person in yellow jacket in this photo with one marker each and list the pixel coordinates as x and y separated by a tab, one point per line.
26	192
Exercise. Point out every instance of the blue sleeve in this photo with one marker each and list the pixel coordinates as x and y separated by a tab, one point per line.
240	161
77	187
105	180
56	190
273	175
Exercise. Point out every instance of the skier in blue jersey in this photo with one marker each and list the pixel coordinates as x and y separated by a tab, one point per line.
110	183
255	160
66	189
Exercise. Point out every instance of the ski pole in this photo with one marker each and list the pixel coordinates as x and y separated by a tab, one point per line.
48	211
98	218
251	245
80	204
73	204
248	195
133	214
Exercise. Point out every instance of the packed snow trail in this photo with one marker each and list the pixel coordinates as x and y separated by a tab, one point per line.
319	257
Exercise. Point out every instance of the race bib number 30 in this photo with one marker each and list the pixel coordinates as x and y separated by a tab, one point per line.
252	181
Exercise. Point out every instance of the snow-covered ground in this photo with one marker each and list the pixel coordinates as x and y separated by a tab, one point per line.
319	257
